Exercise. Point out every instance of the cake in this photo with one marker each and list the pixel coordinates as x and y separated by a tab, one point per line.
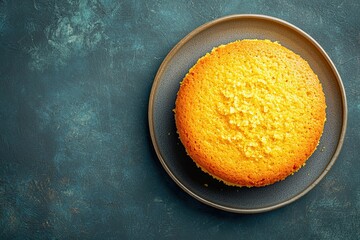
250	112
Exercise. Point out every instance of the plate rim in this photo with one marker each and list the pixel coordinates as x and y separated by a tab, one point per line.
195	32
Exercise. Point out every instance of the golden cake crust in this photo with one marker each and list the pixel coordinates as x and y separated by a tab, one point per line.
250	113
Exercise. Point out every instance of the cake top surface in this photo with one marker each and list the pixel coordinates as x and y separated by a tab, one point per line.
250	112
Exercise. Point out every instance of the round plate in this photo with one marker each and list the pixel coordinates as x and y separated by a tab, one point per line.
171	152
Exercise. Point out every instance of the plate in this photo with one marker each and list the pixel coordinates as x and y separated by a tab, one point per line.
171	152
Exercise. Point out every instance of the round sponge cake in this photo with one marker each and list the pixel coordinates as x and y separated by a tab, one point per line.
250	113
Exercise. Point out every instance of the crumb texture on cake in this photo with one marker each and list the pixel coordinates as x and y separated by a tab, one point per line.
250	113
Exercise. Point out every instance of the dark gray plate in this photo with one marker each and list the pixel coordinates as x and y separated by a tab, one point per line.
171	152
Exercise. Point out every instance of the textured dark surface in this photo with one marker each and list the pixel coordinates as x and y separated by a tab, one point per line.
76	160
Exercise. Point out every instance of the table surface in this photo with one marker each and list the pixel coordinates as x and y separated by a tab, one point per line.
76	158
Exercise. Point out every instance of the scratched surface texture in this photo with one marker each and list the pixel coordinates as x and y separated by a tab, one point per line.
76	159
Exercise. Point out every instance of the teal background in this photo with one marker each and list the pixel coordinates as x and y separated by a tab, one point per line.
76	159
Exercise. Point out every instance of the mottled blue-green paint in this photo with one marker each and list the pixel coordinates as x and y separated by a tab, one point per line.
74	32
